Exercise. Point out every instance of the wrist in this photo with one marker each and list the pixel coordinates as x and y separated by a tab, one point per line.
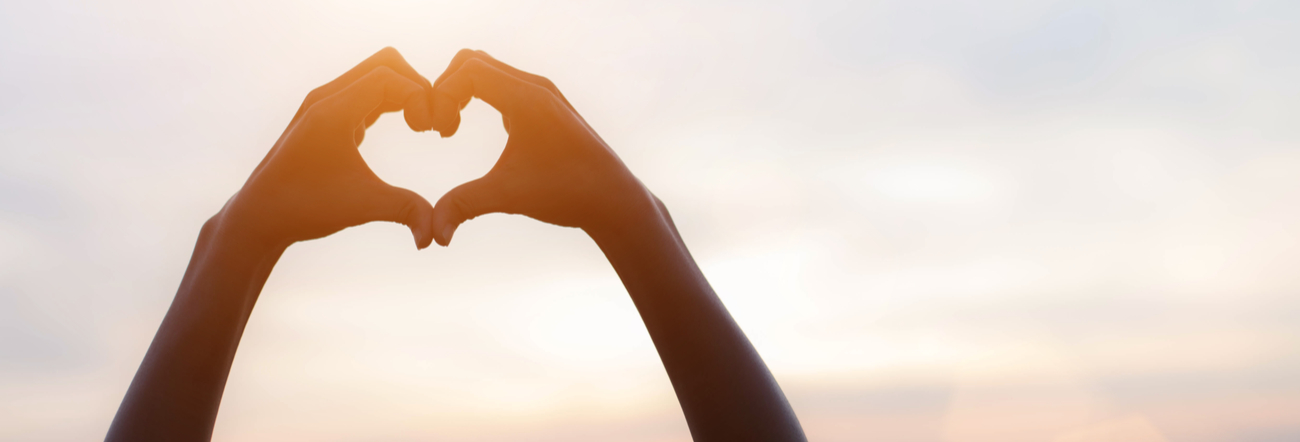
637	215
228	264
235	229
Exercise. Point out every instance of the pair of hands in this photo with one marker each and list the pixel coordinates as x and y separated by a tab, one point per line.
554	168
314	182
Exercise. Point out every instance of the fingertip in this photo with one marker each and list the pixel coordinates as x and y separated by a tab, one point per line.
412	210
423	235
450	131
443	237
447	232
445	119
417	113
445	113
421	239
444	226
426	225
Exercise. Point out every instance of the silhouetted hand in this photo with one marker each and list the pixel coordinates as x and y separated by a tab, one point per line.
314	182
554	168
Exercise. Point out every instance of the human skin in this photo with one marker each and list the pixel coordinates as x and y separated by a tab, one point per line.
556	169
311	184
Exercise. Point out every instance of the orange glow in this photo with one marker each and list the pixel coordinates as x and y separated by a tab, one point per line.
936	221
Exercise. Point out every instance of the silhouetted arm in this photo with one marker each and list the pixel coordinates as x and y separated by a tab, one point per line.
725	390
178	387
312	183
556	169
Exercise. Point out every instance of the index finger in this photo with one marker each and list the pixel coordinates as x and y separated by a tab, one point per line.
386	57
468	54
477	79
382	86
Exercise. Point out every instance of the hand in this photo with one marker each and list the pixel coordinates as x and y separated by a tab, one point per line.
314	182
554	167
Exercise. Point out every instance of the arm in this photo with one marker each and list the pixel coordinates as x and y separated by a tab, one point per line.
312	183
723	386
177	389
556	169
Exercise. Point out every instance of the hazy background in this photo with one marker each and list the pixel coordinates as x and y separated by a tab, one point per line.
936	220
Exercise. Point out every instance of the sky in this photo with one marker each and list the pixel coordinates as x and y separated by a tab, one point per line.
947	221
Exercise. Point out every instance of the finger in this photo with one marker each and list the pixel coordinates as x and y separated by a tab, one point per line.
465	202
531	78
383	109
373	117
387	57
385	202
446	123
468	54
417	121
526	76
380	88
457	61
477	79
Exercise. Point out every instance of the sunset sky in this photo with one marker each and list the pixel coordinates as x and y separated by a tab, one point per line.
937	221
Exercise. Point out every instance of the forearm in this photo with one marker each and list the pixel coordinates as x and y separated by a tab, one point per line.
724	388
177	390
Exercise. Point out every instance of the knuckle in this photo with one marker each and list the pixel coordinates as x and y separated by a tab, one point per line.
321	116
465	54
382	72
378	80
546	83
314	96
315	113
541	94
475	64
536	91
388	53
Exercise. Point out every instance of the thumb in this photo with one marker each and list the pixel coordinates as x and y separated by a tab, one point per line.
466	201
395	204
